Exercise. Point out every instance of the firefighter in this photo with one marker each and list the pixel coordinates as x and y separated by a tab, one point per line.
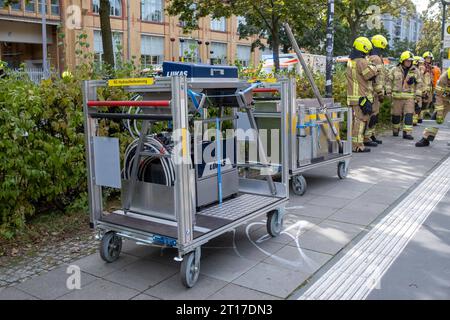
429	74
379	43
360	76
404	88
441	109
419	64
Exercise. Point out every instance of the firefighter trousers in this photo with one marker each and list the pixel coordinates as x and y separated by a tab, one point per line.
360	122
402	109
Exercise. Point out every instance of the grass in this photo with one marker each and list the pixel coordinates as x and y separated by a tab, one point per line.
44	229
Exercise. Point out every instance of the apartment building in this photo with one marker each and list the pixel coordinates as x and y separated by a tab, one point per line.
405	26
141	28
21	33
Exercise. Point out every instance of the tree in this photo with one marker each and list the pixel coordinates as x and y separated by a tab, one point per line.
357	15
105	26
263	17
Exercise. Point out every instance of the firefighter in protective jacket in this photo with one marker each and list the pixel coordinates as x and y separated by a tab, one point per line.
380	44
404	87
360	95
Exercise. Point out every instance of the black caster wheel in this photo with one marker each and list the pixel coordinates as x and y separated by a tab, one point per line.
274	224
190	268
342	170
110	247
299	185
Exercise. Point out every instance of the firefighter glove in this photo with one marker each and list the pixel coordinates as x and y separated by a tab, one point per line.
365	105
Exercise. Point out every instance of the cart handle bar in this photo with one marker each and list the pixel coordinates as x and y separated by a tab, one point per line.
261	90
160	103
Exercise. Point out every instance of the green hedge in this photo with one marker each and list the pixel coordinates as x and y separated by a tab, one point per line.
41	148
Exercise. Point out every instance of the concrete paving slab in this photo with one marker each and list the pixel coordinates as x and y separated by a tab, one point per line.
143	296
329	201
101	290
95	266
273	280
225	267
354	216
172	288
296	258
141	274
311	210
11	293
235	292
53	284
329	237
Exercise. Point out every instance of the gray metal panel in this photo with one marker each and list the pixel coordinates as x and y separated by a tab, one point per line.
107	162
207	189
152	199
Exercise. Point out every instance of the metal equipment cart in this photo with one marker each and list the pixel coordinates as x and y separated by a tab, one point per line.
179	212
311	143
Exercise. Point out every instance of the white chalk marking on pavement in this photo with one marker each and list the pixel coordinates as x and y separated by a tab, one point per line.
354	276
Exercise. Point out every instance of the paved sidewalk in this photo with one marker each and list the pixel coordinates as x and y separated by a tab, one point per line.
317	227
423	269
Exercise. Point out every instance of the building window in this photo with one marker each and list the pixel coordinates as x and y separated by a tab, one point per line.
218	24
16	6
244	54
189	50
152	50
55	7
40	6
152	10
219	53
30	6
98	45
241	21
116	7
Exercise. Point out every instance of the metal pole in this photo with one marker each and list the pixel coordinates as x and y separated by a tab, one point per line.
444	18
330	49
310	77
128	31
44	39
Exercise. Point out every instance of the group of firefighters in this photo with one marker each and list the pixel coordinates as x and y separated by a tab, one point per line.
410	86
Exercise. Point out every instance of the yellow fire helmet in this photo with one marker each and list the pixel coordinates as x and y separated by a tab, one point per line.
428	54
448	73
363	44
379	41
407	55
418	60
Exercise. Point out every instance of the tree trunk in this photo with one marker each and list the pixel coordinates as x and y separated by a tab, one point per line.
105	25
276	48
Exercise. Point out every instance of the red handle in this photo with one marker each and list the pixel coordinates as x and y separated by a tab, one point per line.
262	90
160	103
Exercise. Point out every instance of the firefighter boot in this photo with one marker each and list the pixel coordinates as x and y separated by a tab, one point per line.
423	143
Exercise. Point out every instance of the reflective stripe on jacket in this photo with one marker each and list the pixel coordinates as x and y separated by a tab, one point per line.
360	74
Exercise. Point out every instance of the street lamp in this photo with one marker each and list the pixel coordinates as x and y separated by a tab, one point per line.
444	20
44	38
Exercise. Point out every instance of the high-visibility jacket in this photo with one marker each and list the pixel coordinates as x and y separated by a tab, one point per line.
436	75
360	75
427	80
442	94
380	80
398	86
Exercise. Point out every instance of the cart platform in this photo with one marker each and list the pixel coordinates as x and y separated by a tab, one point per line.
209	219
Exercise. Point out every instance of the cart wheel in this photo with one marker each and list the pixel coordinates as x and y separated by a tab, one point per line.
299	185
110	247
190	269
274	225
342	170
